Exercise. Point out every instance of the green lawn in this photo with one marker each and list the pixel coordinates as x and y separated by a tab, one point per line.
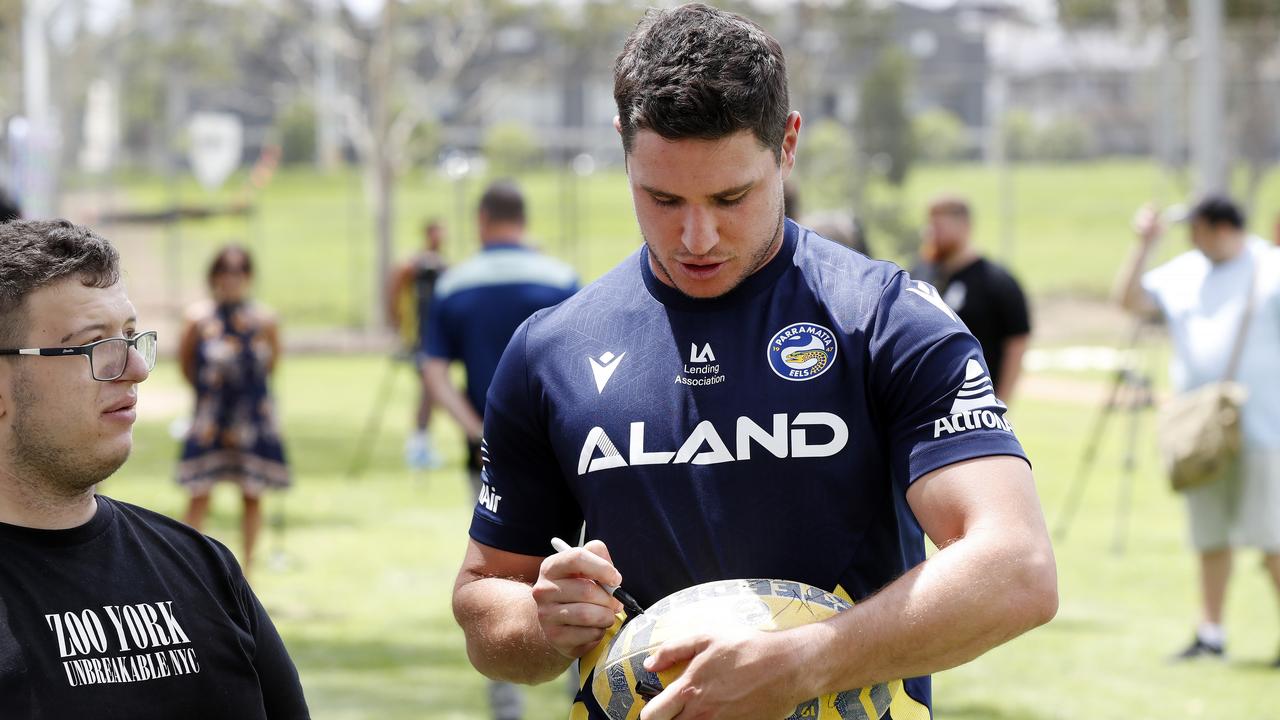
313	233
362	597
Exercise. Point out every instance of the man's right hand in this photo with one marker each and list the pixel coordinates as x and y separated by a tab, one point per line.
1148	225
573	610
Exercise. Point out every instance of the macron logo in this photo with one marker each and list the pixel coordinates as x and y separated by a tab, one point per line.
930	294
603	367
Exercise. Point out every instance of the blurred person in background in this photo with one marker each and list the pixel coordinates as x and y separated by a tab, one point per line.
1202	294
987	298
842	227
229	347
838	225
478	306
408	307
107	609
9	209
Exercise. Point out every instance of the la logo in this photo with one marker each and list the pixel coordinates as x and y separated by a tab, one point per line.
701	357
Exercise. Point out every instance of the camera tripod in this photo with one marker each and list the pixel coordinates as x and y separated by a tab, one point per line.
373	423
1130	392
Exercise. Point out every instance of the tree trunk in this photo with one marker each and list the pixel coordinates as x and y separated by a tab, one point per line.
381	67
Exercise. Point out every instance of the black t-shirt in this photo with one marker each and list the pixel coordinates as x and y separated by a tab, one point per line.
989	301
135	616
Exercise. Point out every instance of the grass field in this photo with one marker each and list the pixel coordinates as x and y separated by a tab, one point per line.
362	597
312	234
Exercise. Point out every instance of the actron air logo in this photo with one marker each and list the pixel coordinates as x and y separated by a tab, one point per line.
975	407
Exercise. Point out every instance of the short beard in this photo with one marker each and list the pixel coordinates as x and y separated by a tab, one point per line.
46	466
757	261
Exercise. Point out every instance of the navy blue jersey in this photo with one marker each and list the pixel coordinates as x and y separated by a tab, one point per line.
481	302
769	433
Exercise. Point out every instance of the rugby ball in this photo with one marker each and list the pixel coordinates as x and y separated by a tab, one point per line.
622	686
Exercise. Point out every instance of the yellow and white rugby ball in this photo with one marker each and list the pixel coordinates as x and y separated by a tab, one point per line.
621	684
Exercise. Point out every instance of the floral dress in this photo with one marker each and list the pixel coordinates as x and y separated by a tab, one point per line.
234	435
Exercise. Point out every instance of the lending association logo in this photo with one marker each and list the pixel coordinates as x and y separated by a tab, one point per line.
802	351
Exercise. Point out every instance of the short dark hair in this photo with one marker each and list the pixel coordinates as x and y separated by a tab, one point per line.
223	259
9	209
698	72
1218	210
502	201
37	253
953	205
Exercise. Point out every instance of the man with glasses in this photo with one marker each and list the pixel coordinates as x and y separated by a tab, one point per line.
105	605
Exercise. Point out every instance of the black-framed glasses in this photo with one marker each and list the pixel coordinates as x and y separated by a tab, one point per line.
107	358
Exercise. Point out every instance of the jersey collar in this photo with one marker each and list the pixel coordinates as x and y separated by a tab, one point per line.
80	534
504	245
763	278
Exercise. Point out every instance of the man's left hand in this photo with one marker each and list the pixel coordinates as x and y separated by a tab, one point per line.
750	675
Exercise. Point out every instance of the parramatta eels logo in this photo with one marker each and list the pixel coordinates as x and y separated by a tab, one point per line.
802	351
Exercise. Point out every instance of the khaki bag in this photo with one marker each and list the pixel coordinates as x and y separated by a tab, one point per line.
1200	433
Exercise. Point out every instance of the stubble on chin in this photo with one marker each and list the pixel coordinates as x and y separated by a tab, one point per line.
758	260
51	466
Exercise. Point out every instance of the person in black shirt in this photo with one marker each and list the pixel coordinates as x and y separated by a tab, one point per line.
9	209
107	610
986	297
412	287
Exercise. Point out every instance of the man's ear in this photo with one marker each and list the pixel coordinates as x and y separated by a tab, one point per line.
790	141
617	125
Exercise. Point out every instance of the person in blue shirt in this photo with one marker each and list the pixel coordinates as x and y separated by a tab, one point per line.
478	305
742	398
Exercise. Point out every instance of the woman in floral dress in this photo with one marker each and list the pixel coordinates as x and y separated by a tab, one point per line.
229	348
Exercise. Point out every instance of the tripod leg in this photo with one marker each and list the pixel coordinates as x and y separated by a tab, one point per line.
1140	400
373	424
1076	491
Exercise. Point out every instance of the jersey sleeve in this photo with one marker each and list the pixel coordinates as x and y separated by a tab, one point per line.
932	391
438	340
524	500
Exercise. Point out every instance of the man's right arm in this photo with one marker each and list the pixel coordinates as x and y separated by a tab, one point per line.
399	279
1128	292
435	372
526	618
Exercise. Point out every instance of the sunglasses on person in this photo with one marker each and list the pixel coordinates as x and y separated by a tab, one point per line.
107	358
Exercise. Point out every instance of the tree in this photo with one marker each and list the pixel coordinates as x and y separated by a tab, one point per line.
510	148
10	56
399	70
823	166
940	135
1253	28
883	124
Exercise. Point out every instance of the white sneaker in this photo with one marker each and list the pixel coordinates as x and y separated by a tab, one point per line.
419	453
